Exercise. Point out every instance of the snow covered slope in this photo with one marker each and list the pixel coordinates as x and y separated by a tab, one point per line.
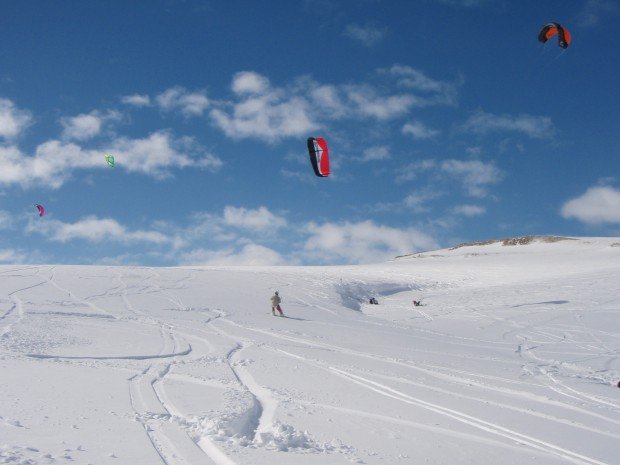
513	359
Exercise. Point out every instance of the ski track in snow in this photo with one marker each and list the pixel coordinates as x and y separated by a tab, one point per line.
459	416
260	424
467	419
470	420
17	306
564	355
95	308
158	414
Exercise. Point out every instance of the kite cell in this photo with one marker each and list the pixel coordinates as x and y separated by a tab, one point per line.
110	159
41	209
319	156
551	29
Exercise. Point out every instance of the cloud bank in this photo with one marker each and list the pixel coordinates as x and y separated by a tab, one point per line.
597	206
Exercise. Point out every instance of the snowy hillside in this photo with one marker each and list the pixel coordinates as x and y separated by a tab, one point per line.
513	358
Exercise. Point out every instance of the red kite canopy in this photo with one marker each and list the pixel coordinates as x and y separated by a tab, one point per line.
319	156
551	29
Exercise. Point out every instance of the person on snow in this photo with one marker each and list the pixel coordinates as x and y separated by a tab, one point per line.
373	301
275	304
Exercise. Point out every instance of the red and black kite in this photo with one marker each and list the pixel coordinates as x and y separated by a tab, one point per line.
319	156
551	29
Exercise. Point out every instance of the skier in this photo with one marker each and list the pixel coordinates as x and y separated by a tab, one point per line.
275	304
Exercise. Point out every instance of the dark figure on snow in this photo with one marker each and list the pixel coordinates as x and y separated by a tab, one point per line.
373	301
275	304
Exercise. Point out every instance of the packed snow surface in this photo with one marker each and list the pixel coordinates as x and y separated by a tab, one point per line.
513	358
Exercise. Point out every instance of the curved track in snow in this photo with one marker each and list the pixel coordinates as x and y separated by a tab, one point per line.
187	366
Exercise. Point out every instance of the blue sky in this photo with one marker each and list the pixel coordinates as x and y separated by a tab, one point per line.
447	121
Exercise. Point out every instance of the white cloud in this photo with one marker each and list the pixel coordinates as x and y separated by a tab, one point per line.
259	219
594	10
250	254
95	229
474	175
81	127
367	35
50	166
249	82
419	130
54	161
12	120
368	102
11	256
469	210
413	170
233	225
363	242
598	205
262	111
266	117
329	100
241	231
536	127
377	153
178	98
159	152
417	201
416	79
86	125
434	92
136	100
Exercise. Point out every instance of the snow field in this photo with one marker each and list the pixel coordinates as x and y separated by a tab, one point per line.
512	359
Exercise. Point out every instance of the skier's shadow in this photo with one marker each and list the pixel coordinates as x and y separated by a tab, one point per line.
293	318
550	302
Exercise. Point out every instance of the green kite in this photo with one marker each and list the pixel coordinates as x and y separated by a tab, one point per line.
110	159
